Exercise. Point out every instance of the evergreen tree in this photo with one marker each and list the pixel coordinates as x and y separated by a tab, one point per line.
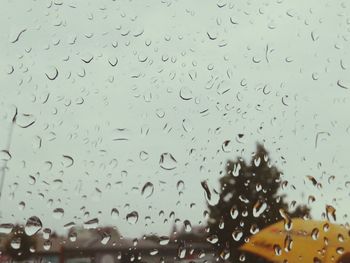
249	201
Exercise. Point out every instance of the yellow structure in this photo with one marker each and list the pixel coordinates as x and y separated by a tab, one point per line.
305	241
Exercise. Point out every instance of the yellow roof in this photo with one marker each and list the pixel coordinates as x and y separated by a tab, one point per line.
306	241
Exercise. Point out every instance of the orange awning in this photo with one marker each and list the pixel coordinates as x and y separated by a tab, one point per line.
306	241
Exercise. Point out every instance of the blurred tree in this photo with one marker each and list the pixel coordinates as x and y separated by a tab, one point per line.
249	201
19	245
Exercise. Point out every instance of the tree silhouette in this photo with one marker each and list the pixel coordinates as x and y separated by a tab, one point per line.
249	201
18	245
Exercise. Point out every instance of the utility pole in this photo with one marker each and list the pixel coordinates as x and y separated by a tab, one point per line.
7	148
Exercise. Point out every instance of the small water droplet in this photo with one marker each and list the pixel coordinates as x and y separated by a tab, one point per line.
132	217
330	213
154	252
68	161
212	239
287	220
185	93
147	190
181	252
234	212
315	233
144	156
167	161
188	227
236	169
164	240
115	213
105	238
91	224
259	208
73	236
33	226
237	234
5	155
16	243
47	245
288	243
254	229
6	228
227	146
58	213
277	249
340	250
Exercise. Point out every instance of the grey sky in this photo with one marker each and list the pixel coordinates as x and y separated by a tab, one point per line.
218	56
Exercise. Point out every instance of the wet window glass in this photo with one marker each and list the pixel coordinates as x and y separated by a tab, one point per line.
174	131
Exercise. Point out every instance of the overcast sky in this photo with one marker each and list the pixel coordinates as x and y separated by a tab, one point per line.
115	85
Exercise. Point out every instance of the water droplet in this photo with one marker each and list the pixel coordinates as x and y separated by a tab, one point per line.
259	208
114	213
181	252
277	249
73	236
154	252
209	196
33	226
234	212
132	217
144	156
315	233
341	238
52	73
147	190
5	155
16	243
6	228
24	120
32	180
15	36
258	187
206	189
287	220
47	245
236	169
254	229
91	224
69	225
58	213
340	250
227	146
257	161
326	227
32	249
330	213
237	235
225	254
185	93
105	238
188	227
213	239
222	223
68	161
46	233
288	243
342	84
167	161
187	125
180	186
164	240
